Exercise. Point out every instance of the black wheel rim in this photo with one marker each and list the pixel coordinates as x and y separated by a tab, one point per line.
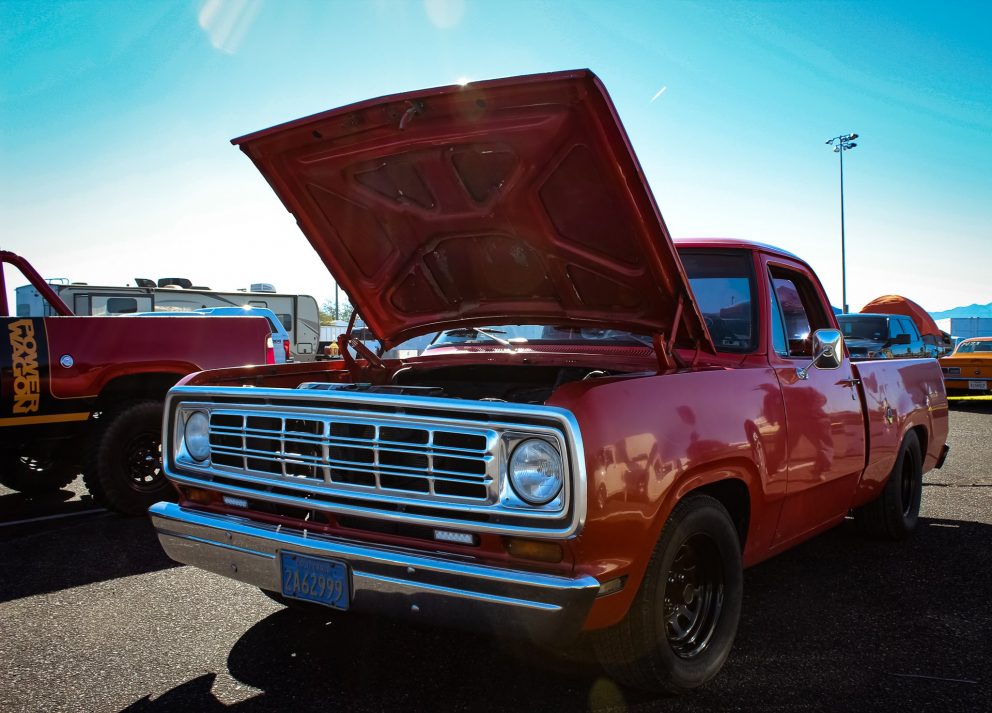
143	461
693	596
907	484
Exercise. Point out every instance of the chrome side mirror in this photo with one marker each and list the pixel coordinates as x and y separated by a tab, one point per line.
828	346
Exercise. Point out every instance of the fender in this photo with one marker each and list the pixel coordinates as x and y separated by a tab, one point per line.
640	462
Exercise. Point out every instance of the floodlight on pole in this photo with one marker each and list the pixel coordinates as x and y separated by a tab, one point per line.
842	143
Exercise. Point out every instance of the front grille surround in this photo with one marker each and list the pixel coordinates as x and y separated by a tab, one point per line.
385	456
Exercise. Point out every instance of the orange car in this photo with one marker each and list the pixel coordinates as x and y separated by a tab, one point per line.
970	366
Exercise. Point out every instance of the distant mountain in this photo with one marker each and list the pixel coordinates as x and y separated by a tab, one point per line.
975	310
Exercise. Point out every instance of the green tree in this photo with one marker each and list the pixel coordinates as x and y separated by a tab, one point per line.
327	311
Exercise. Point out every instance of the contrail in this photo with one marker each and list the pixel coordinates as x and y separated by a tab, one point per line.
660	92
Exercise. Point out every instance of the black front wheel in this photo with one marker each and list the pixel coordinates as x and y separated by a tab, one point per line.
124	471
681	626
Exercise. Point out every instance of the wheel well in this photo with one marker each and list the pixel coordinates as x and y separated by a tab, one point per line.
733	495
135	386
921	435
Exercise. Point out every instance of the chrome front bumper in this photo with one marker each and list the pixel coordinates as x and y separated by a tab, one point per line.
398	583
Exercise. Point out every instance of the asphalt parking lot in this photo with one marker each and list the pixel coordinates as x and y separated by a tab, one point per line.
94	617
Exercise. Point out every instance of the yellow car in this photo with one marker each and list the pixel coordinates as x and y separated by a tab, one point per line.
969	368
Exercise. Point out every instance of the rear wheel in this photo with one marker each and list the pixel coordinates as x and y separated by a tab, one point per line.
682	623
893	515
124	470
42	470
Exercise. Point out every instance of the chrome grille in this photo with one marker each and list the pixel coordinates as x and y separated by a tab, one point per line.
419	460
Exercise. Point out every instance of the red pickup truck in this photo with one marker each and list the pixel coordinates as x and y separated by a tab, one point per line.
85	394
612	425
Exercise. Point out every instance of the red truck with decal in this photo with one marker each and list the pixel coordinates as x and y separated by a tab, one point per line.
610	427
85	394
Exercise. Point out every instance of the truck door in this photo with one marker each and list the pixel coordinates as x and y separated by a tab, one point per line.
826	438
905	339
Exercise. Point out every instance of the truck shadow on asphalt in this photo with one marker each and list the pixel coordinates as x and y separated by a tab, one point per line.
839	623
57	555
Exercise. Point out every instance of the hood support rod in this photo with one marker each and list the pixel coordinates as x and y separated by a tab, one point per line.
664	348
346	340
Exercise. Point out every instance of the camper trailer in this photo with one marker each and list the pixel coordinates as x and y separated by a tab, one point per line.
298	313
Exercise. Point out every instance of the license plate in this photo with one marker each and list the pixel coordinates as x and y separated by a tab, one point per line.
977	385
314	579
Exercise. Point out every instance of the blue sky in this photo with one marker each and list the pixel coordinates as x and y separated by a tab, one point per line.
115	121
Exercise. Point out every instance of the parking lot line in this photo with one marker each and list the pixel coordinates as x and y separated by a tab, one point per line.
51	517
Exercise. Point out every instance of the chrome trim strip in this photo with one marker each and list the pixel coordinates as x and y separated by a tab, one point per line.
402	586
504	418
453	523
435	587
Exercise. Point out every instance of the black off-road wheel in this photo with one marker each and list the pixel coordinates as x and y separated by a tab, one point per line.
124	469
894	514
682	623
42	471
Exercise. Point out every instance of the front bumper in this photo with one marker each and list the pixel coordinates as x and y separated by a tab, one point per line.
394	582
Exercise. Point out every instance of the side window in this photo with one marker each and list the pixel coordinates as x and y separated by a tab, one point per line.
800	311
286	320
102	305
910	328
723	284
122	305
779	342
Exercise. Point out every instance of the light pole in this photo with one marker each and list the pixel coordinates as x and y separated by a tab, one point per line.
842	143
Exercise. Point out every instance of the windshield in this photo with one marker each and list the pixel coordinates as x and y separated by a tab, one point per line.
863	327
972	347
514	334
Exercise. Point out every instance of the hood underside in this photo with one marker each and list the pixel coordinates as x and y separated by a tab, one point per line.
508	201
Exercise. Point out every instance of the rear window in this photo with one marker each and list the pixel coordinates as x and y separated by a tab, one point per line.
863	327
972	347
723	285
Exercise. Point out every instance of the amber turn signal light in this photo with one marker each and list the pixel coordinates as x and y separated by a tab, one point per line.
534	550
199	496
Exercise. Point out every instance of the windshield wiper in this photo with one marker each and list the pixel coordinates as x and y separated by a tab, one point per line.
469	331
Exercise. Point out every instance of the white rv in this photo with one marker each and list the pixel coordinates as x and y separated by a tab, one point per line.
298	313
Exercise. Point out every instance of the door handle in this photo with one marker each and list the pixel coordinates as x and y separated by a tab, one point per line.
852	383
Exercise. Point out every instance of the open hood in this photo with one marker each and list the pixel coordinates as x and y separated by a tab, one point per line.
509	201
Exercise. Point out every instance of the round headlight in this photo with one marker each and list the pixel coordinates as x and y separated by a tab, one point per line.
536	471
198	435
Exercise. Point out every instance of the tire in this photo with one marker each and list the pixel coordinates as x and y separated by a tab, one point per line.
893	515
682	623
36	474
124	468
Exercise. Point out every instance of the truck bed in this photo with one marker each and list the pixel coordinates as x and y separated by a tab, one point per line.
893	390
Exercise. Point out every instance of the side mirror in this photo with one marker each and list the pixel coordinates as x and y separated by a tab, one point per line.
902	339
828	348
